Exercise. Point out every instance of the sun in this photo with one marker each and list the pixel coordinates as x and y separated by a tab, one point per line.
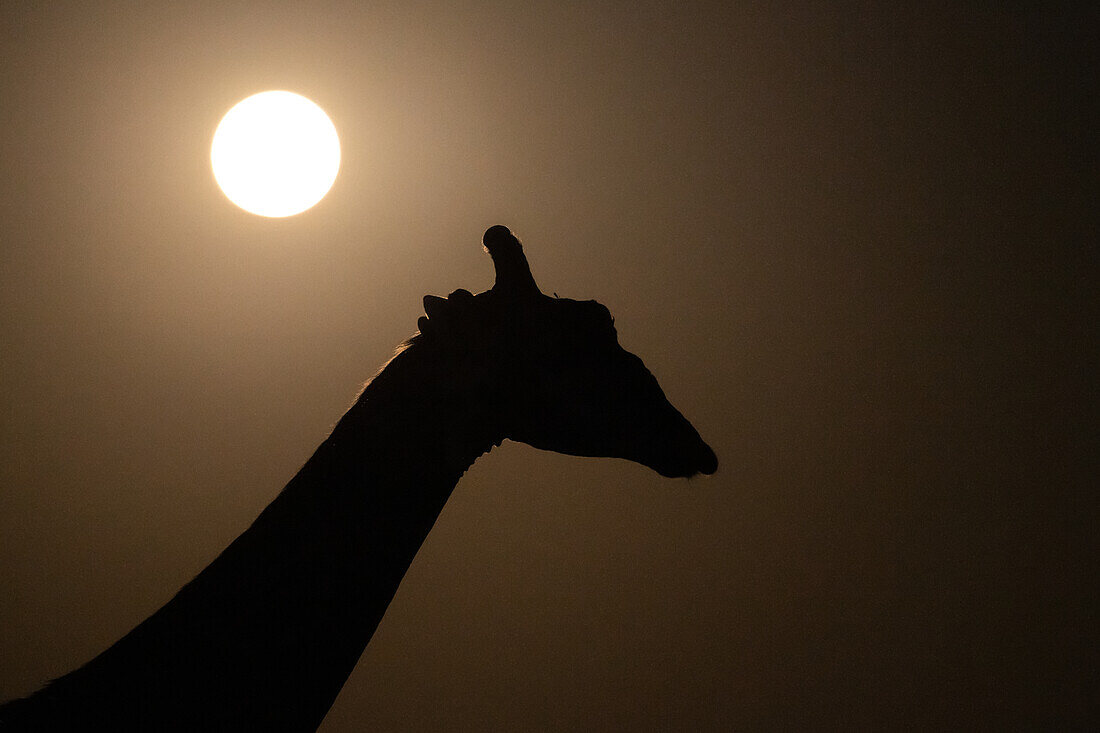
275	154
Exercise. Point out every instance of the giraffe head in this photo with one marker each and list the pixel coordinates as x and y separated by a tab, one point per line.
552	373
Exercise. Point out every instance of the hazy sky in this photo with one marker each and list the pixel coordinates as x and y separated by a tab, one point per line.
856	246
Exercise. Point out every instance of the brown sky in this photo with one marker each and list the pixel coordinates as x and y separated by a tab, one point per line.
855	245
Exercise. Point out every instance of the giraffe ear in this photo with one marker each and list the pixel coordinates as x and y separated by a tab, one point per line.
462	296
446	312
436	308
513	272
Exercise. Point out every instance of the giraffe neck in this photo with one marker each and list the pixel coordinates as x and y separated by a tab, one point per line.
266	635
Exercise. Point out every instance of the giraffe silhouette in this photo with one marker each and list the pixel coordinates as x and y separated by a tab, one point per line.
265	637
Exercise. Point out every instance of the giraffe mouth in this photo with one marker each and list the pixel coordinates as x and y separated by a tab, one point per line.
680	453
707	461
700	459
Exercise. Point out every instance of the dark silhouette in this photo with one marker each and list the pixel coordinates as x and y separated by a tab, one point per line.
266	635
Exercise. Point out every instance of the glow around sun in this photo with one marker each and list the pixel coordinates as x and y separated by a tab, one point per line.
275	154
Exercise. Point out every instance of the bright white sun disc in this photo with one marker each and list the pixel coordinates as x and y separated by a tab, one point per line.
275	154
